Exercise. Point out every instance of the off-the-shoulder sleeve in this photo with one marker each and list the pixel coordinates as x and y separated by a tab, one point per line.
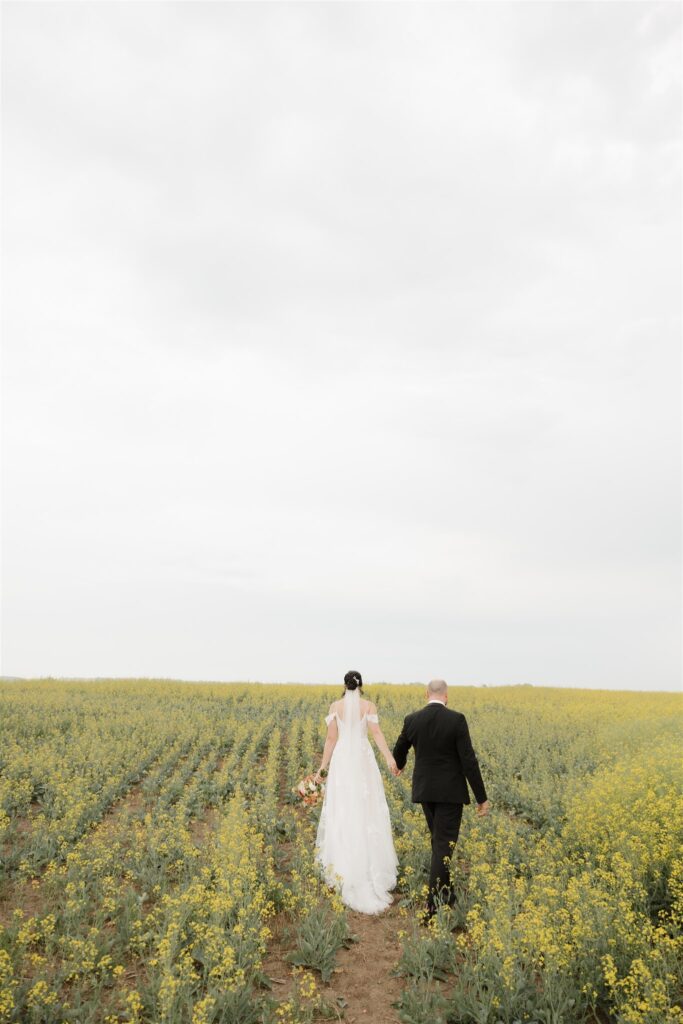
373	718
328	718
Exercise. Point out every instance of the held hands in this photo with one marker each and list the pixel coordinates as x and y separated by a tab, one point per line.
391	765
483	809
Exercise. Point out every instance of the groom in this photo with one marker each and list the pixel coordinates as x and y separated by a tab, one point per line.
444	758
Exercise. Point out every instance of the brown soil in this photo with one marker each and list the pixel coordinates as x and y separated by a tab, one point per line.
200	827
363	977
27	894
362	983
21	895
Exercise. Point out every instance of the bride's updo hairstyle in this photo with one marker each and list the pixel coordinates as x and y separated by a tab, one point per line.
353	681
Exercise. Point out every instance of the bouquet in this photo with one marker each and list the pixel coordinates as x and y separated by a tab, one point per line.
309	791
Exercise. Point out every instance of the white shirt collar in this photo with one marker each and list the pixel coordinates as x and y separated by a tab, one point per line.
436	702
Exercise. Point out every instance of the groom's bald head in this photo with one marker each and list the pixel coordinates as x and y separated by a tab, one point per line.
437	690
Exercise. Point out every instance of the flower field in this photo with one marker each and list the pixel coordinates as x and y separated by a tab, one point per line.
155	861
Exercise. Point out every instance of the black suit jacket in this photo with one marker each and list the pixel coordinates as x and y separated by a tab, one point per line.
444	756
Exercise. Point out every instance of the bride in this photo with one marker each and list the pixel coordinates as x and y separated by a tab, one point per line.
354	844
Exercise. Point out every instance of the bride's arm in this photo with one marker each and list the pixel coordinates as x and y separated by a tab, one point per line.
378	737
330	744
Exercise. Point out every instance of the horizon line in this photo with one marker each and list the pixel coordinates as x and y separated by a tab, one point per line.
293	682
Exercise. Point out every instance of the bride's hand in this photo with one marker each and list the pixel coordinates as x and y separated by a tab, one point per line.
392	766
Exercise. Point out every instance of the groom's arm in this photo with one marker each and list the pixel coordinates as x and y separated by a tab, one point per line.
402	746
468	760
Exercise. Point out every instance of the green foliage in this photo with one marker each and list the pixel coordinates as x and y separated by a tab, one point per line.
148	841
422	1003
317	937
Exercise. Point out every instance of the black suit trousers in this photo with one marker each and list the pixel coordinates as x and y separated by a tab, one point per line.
444	825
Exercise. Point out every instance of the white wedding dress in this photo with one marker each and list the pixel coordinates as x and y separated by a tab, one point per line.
354	843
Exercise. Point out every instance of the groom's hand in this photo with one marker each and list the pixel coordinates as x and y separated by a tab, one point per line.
483	809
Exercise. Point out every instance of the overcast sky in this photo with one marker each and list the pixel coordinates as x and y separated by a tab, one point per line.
343	336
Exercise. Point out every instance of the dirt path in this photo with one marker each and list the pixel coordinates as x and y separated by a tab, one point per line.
362	983
364	976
